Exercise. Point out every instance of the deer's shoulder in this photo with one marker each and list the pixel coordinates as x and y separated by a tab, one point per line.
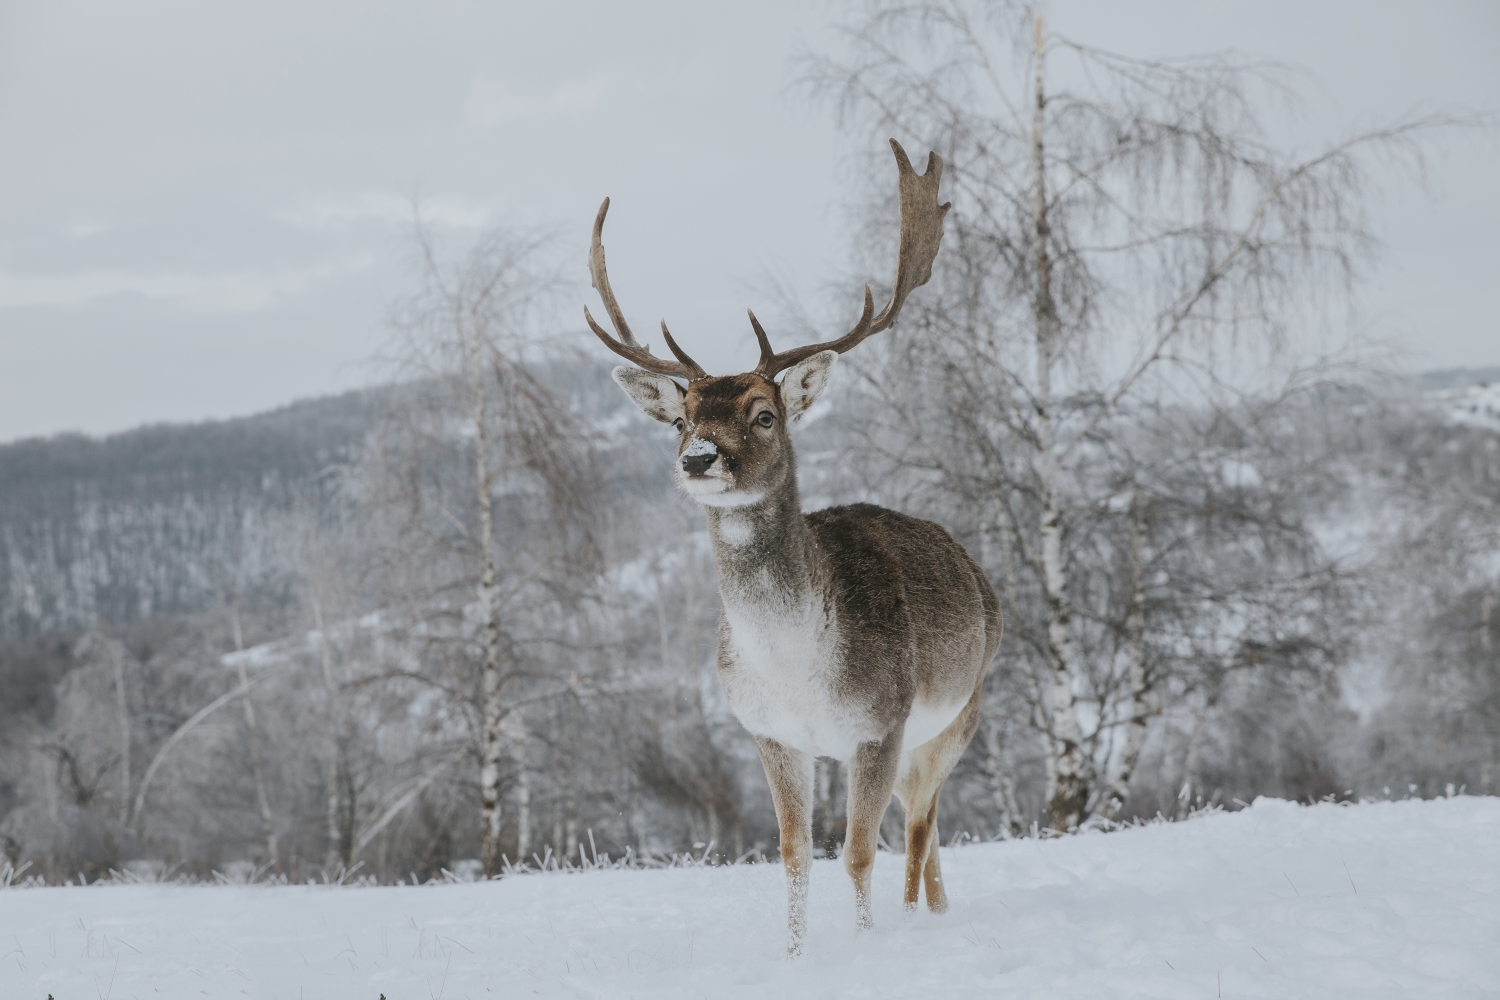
892	564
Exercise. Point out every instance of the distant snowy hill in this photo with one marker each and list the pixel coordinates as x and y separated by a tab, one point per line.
1459	378
1390	899
166	518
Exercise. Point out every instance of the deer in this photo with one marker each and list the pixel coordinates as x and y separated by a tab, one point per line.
855	632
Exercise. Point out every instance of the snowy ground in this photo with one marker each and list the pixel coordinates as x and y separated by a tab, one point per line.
1395	899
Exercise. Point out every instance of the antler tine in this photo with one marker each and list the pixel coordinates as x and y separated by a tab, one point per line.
625	345
921	234
772	364
694	371
766	354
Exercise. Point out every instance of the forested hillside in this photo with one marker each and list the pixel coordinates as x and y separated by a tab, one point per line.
165	519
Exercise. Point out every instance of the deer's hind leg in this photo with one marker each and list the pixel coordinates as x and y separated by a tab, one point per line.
918	786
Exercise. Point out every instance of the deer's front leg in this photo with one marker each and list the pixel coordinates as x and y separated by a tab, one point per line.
790	773
872	776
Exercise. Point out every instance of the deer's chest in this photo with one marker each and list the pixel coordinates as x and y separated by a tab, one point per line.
781	671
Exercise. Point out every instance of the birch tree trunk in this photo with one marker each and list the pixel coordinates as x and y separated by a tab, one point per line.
492	712
1135	631
332	856
1004	790
515	729
268	822
117	655
1069	767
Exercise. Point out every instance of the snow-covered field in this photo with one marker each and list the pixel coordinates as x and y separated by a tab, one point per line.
1395	899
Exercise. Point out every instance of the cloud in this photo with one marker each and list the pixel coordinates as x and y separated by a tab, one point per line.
387	208
492	103
243	291
84	228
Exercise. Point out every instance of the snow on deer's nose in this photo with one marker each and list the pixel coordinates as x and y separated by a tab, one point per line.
698	456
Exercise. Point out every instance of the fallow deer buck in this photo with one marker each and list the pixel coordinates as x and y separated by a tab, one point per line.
854	632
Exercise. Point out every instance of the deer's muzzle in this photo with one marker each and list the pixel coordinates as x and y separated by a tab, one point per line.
697	465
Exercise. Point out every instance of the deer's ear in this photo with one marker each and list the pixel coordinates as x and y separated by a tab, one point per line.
805	382
658	396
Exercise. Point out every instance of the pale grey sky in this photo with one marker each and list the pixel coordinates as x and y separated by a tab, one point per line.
204	206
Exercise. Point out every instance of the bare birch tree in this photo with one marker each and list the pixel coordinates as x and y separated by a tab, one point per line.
1125	235
492	472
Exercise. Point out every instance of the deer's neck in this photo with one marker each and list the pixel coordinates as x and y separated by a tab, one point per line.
764	552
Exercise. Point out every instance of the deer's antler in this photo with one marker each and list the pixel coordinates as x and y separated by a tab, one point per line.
625	345
921	232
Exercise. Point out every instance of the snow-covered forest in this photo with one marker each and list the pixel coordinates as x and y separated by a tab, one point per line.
463	623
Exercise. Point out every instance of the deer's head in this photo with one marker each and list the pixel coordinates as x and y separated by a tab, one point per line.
733	445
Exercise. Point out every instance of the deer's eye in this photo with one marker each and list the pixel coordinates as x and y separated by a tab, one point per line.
766	418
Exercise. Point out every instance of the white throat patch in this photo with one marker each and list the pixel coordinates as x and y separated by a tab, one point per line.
735	530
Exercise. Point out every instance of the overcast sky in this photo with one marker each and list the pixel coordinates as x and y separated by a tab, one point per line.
204	206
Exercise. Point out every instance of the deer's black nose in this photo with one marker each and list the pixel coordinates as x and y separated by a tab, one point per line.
697	465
